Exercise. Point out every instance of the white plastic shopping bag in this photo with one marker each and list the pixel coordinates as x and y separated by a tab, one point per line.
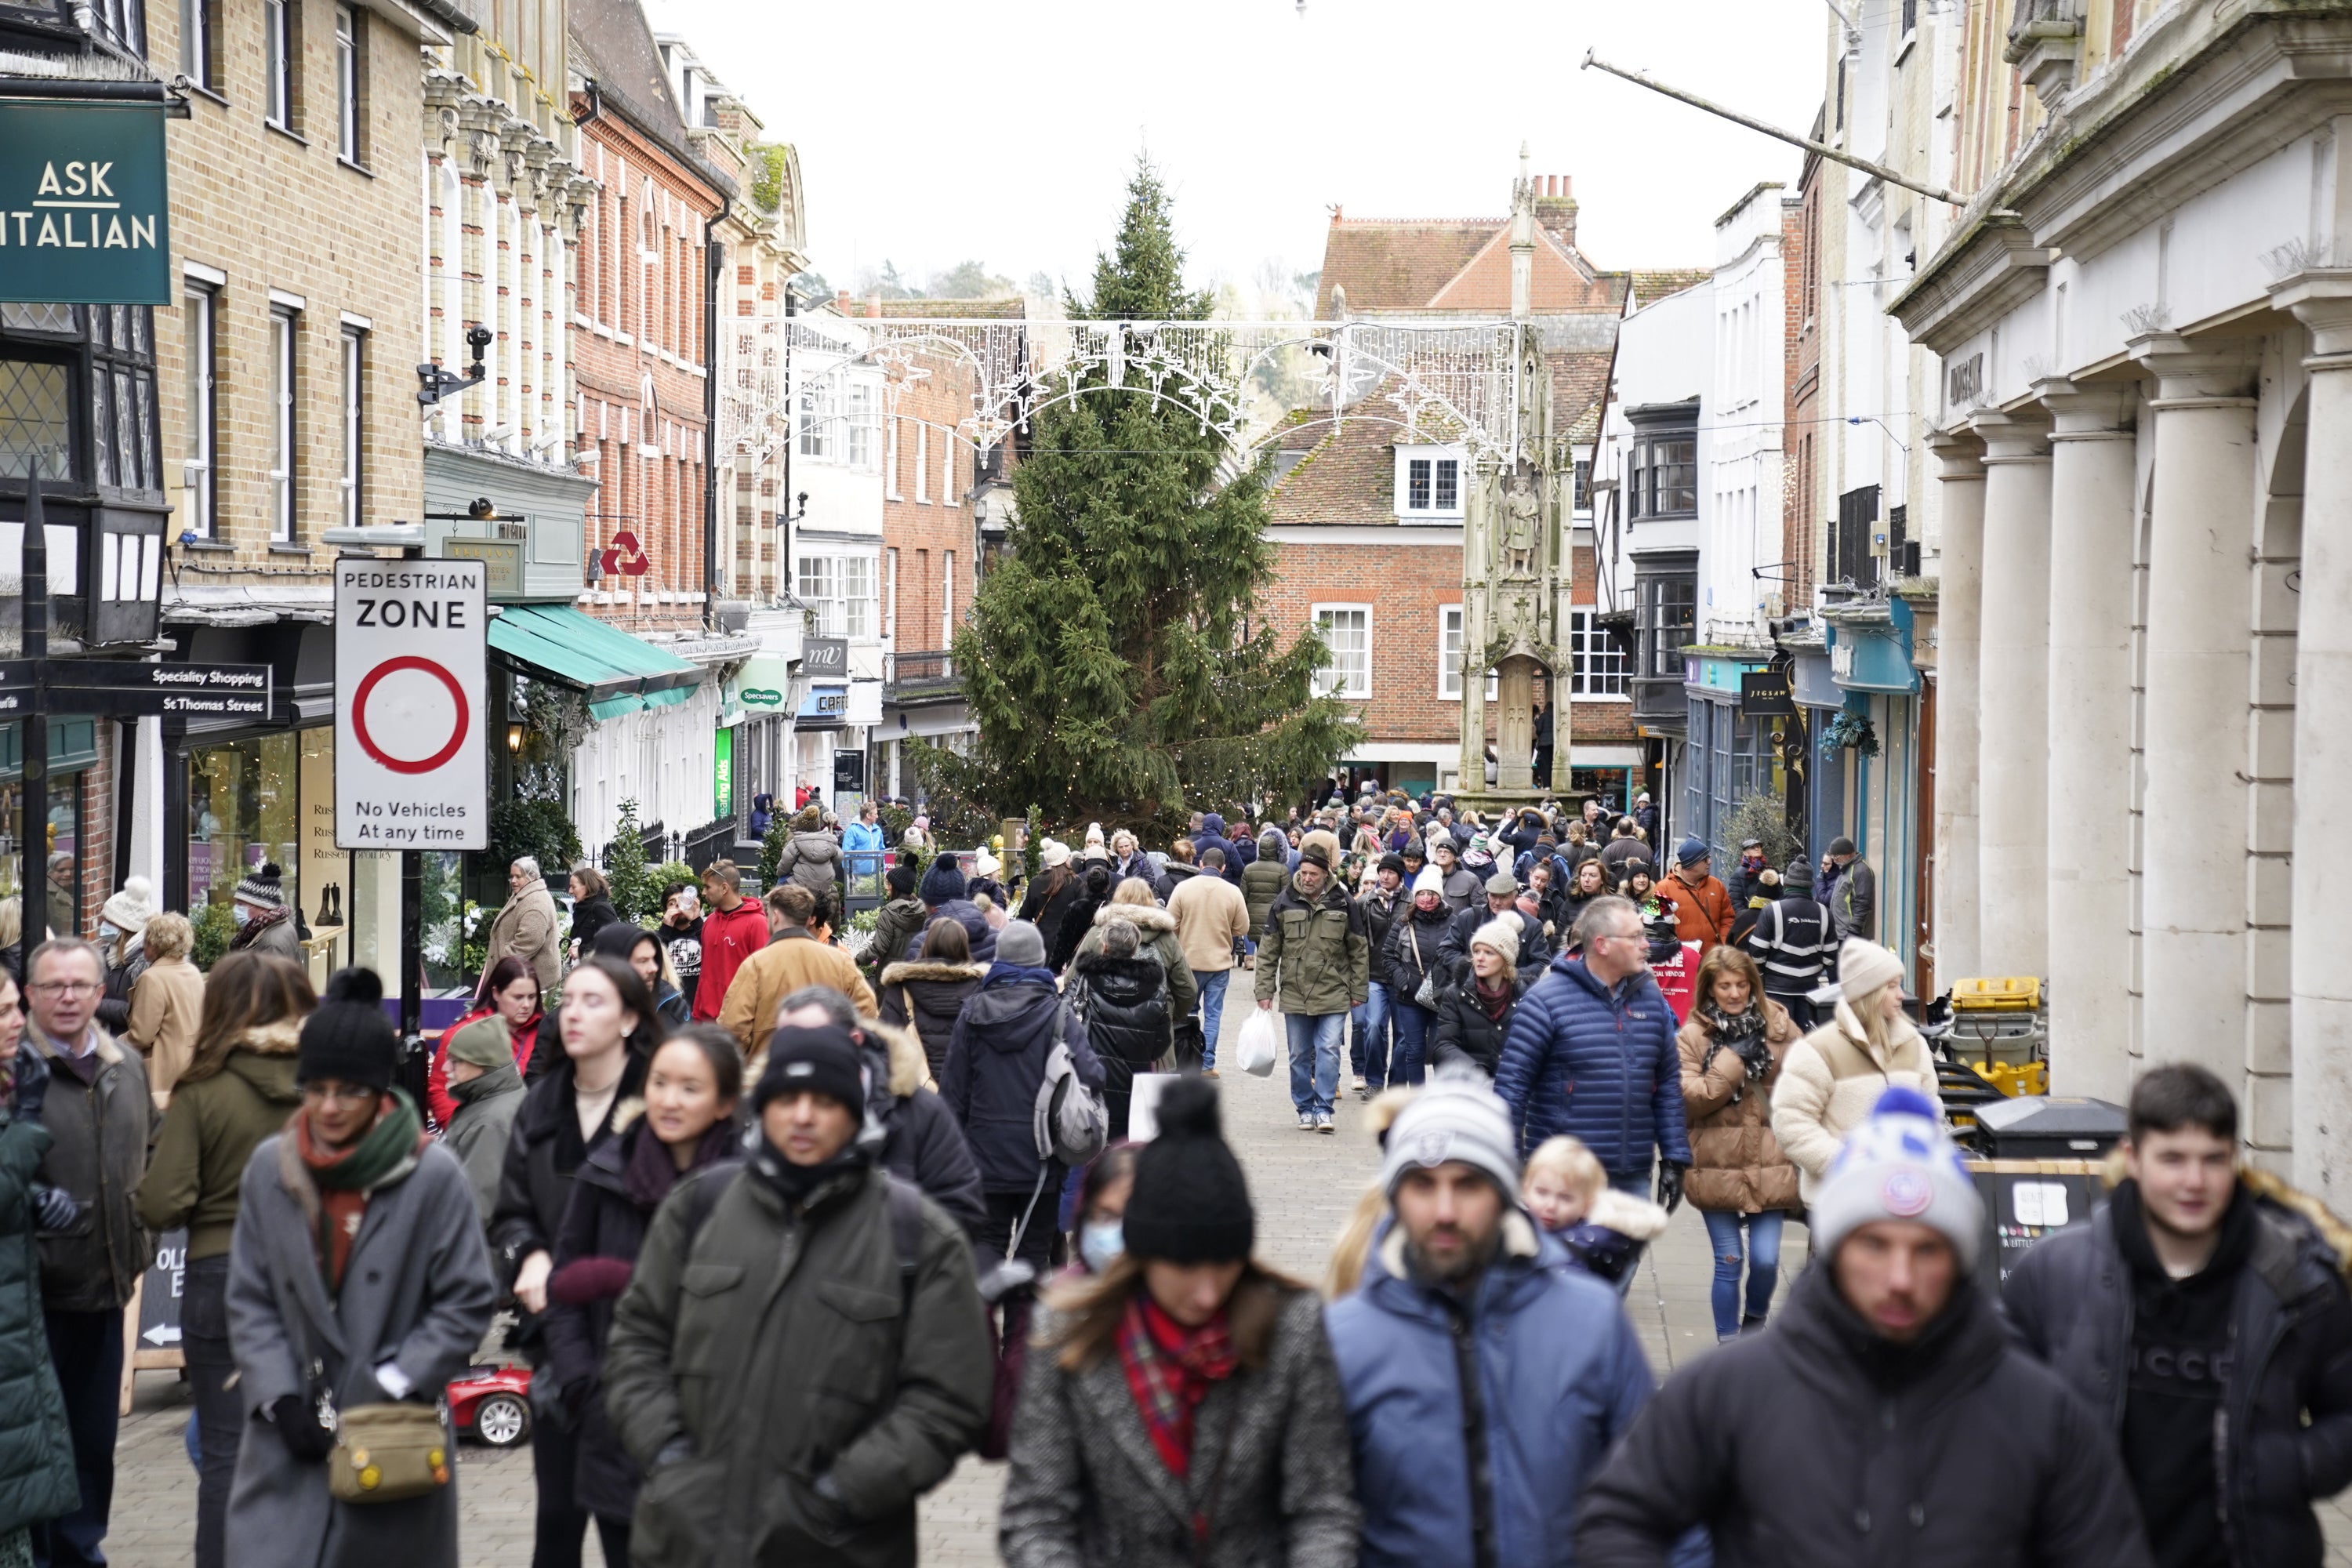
1261	1043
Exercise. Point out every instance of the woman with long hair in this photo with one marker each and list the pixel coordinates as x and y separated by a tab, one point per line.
1831	1079
592	907
1219	1360
610	1030
926	993
238	1090
685	1122
645	951
508	991
1589	881
1732	1046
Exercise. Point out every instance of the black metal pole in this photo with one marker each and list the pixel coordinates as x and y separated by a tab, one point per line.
411	927
32	839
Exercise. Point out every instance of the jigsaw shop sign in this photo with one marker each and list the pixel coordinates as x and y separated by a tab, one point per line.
83	217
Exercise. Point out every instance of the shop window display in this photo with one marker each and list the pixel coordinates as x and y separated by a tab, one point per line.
243	810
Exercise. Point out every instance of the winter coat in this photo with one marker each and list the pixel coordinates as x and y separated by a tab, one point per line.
525	928
1124	1005
1138	865
1560	1378
524	1042
1534	952
1465	888
36	1458
1268	1468
894	924
812	859
1262	883
1831	1078
1618	853
1879	1437
1702	910
785	1346
100	1134
1048	912
729	937
1853	899
601	1220
925	997
2285	1433
1792	944
278	937
1412	948
1737	1166
477	1132
996	1060
1313	957
1608	1242
922	1144
1076	921
114	1002
1380	909
1464	1033
1211	916
867	839
793	960
978	933
590	916
1597	1064
167	1002
1157	929
544	1152
416	1292
210	1130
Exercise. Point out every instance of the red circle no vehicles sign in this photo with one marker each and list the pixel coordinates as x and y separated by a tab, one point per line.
411	672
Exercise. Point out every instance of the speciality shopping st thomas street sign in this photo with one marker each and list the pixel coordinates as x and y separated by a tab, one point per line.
83	217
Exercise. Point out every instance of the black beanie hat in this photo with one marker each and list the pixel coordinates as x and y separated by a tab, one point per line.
823	1059
902	878
1190	1204
349	1039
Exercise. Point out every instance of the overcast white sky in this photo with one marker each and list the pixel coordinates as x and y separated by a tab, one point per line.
932	133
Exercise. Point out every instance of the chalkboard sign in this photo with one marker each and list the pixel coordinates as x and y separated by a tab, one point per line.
158	1344
2028	1201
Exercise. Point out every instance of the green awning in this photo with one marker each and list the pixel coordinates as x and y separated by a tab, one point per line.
620	674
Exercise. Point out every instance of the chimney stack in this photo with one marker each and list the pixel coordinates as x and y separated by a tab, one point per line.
841	301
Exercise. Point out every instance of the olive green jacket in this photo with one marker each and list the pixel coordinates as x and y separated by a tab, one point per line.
210	1130
1315	957
786	1347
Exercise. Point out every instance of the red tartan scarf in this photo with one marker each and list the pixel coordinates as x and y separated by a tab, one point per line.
1169	1370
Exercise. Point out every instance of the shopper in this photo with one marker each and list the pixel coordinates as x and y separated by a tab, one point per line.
2203	1317
525	927
509	995
687	1124
592	908
1605	1231
900	919
1416	970
1476	1003
1793	943
1119	994
1131	900
120	934
793	958
1220	1364
1732	1046
811	857
927	994
1831	1079
1531	954
857	1412
733	929
946	895
37	1452
238	1089
681	934
1850	888
1212	920
265	921
167	1003
1313	957
1834	1439
485	1091
101	1119
644	951
1372	1028
1484	1383
1702	907
357	1281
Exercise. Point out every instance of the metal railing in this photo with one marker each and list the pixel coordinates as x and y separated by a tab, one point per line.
924	673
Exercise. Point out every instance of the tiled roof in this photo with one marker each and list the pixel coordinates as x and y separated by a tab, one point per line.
1580	384
1397	264
1651	286
1347	475
1011	309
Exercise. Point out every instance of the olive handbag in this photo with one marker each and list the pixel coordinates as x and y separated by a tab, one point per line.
389	1453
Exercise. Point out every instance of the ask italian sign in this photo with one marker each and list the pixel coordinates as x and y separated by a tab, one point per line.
82	204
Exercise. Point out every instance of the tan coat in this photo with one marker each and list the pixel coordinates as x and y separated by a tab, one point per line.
166	1002
526	926
1211	916
793	960
1830	1079
1737	1165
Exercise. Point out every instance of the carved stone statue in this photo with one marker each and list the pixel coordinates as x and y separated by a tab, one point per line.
1521	513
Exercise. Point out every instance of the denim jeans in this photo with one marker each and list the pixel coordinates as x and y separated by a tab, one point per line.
1368	1049
1314	1060
1413	1025
1762	1257
1212	983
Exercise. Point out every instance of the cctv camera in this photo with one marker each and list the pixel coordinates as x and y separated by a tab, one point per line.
479	338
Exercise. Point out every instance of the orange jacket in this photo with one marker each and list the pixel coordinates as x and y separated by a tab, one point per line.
1702	911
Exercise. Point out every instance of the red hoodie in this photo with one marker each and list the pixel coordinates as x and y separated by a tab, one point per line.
727	939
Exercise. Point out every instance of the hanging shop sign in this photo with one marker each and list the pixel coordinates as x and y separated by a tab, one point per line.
411	760
723	774
824	657
83	214
1764	692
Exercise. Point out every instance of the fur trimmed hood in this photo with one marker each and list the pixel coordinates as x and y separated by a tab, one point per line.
282	1038
919	970
2333	1233
1626	1215
909	1069
1146	918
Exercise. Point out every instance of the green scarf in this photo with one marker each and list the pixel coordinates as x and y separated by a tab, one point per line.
345	1181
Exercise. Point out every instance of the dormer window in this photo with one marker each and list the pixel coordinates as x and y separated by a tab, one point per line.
1428	483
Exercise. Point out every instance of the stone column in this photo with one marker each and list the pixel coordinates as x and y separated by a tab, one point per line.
1476	506
1515	724
2197	672
1959	579
2320	984
2013	653
2088	817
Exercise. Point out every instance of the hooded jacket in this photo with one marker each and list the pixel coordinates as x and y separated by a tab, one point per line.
812	859
926	995
1534	952
210	1130
2285	1433
1157	929
483	1118
729	936
1414	947
38	1483
100	1134
1598	1063
996	1060
1380	907
1261	883
1831	1078
1124	1002
1737	1165
1883	1431
978	933
1555	1377
894	923
1313	957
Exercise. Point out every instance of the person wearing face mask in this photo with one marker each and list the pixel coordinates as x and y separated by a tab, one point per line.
1219	1363
121	937
685	1123
832	1312
1103	1191
264	921
645	951
484	1089
609	1031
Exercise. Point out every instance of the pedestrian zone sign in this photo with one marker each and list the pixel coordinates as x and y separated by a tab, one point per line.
411	651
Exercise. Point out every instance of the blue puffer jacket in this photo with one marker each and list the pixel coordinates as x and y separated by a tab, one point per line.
1561	1379
1598	1067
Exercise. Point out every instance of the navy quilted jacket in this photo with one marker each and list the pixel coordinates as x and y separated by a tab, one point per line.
1601	1067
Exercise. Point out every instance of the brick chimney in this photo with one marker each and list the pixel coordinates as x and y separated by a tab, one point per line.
841	301
1555	208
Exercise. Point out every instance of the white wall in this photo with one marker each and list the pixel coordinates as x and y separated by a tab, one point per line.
661	758
1742	482
1665	353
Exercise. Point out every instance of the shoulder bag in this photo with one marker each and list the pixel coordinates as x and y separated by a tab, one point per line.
1424	996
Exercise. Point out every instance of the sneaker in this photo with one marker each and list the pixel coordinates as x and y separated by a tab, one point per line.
1306	1121
1208	1072
1325	1124
1360	1084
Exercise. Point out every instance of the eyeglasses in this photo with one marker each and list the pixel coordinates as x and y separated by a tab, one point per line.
349	1094
68	988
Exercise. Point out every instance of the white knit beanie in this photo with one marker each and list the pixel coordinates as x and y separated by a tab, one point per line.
1899	1164
1429	881
1863	967
1501	934
1456	1115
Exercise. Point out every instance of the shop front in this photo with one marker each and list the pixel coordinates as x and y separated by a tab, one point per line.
1730	753
1877	729
62	867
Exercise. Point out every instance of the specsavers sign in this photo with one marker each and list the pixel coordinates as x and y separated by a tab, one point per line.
82	204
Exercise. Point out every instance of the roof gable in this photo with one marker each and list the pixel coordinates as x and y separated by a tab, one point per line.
1398	265
1560	280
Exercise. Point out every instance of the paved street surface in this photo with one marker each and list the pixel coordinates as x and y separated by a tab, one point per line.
1304	1185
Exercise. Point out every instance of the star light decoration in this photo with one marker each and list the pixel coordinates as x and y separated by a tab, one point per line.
900	373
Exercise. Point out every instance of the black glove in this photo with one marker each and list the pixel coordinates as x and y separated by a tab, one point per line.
1670	1187
299	1429
54	1206
1756	1053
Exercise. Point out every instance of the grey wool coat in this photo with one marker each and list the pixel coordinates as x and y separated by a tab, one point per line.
417	1292
1086	1489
